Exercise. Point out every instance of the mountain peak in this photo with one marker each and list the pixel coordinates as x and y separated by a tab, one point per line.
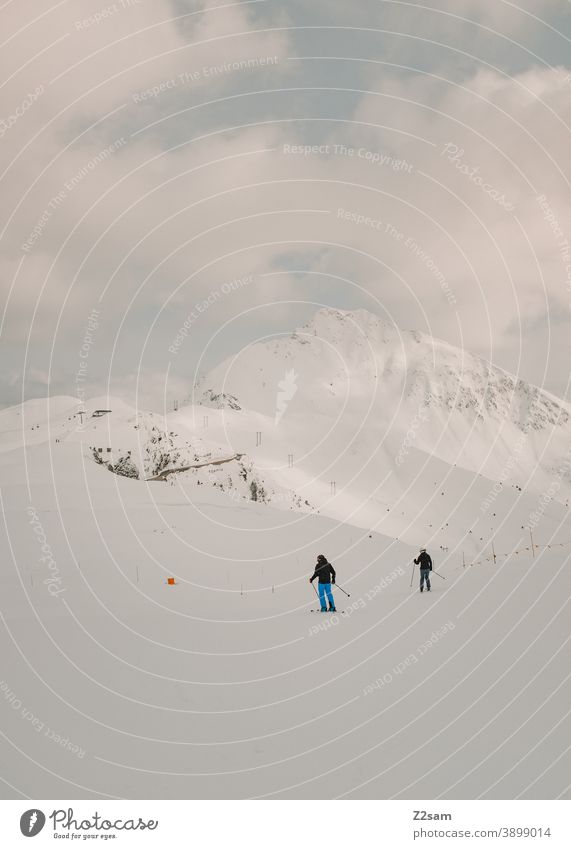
328	317
352	367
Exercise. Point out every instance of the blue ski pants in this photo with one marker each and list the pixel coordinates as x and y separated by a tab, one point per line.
425	576
325	588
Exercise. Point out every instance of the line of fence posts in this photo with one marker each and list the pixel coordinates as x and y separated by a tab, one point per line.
532	547
494	557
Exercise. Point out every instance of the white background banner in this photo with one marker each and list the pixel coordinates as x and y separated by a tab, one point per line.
287	824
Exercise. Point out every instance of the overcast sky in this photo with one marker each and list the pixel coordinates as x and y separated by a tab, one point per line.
237	165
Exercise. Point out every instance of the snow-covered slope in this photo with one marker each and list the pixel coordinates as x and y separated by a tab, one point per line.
115	684
224	684
140	445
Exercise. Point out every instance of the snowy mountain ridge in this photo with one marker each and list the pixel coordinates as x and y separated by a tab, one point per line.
341	416
425	369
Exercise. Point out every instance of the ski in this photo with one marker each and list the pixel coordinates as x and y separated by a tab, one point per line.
316	610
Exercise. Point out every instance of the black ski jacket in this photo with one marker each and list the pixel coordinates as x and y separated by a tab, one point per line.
424	560
325	572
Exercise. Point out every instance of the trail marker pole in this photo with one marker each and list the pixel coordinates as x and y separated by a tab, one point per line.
532	543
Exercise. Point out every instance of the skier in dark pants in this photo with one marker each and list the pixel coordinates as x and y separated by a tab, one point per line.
326	574
423	560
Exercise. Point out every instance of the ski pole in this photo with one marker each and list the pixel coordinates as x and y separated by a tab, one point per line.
314	590
342	590
439	575
412	576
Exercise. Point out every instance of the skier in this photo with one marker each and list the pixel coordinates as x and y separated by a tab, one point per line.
326	574
424	561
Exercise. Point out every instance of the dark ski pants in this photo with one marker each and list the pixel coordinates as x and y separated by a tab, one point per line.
424	576
325	588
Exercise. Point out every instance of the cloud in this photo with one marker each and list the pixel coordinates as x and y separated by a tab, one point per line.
166	156
491	137
93	207
519	16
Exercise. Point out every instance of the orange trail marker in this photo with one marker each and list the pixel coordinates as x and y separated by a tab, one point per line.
170	581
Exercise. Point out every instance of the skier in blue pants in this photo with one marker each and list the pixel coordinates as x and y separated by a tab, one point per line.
326	574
